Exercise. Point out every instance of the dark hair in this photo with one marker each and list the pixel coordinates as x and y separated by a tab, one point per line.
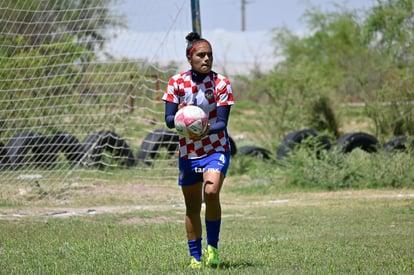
192	39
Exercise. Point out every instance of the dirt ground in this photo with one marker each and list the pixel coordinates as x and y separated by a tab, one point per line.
18	202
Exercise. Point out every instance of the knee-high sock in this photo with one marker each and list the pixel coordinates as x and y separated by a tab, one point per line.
194	246
213	232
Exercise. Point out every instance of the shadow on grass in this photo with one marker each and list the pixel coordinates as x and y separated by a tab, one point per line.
235	265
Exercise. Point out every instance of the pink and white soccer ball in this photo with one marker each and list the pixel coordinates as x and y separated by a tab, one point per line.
190	119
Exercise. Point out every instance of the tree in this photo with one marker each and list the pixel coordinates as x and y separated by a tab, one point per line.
390	28
330	62
390	31
46	22
332	57
45	48
346	56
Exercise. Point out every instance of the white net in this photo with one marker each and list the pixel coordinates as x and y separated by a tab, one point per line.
80	98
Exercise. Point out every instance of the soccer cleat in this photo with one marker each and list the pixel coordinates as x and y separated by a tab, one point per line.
194	264
212	256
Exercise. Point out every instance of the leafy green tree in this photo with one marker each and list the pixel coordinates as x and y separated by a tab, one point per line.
46	22
390	28
328	63
346	56
390	32
331	56
46	46
34	87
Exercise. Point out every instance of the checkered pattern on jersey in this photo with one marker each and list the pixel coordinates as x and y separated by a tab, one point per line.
215	90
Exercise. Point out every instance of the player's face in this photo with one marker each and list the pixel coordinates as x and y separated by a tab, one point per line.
201	59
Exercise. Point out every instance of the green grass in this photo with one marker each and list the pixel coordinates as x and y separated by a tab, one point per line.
361	232
305	214
330	170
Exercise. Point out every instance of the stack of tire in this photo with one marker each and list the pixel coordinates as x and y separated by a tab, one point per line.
96	149
345	144
164	138
35	149
167	139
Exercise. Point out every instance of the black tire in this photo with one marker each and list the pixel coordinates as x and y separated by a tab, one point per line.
18	147
95	145
295	138
45	154
233	147
350	141
254	151
159	138
165	138
69	145
399	144
3	153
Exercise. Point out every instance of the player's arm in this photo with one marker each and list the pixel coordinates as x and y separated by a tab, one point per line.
223	113
170	109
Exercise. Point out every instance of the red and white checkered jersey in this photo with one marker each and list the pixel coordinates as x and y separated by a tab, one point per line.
215	90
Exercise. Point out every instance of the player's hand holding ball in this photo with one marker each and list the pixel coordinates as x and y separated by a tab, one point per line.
182	105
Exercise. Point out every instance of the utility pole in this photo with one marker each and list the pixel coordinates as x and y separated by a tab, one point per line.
195	14
243	15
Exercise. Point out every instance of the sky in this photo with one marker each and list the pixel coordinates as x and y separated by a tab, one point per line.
156	29
260	15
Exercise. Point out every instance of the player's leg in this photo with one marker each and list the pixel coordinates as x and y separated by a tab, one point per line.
192	199
215	171
213	177
191	186
213	182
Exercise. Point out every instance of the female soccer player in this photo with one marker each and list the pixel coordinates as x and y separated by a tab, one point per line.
203	160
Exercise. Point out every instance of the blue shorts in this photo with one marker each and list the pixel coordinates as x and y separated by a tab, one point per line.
191	170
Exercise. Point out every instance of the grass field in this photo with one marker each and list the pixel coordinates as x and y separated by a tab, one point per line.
278	217
137	228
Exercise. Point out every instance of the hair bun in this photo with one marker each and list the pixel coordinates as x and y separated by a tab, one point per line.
192	36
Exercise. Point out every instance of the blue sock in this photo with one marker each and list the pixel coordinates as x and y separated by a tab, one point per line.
194	246
213	232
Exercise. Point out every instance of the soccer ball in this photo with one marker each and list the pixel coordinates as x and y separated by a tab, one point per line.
190	120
